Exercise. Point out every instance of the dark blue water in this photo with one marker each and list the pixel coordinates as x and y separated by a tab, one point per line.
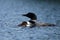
11	15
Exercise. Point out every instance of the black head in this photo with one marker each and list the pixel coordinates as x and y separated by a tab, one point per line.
30	15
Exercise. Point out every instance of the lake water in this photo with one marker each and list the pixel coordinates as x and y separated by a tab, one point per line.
11	15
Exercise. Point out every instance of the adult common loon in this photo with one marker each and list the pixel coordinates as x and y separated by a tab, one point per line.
32	22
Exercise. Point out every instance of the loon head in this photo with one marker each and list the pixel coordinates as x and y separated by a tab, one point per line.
30	15
27	24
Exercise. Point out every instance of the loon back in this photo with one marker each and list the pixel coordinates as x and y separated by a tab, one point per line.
44	24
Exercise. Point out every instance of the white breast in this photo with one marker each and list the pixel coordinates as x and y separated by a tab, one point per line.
28	24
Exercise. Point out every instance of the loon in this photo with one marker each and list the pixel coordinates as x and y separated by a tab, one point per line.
27	24
33	21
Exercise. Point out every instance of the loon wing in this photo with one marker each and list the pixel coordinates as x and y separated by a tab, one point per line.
44	24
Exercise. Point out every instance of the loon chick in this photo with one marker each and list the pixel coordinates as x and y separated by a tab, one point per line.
27	24
30	15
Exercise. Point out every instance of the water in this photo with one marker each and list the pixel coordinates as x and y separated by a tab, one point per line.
11	15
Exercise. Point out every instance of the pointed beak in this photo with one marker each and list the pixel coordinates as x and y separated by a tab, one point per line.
23	14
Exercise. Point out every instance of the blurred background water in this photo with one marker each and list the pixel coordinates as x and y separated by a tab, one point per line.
11	15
